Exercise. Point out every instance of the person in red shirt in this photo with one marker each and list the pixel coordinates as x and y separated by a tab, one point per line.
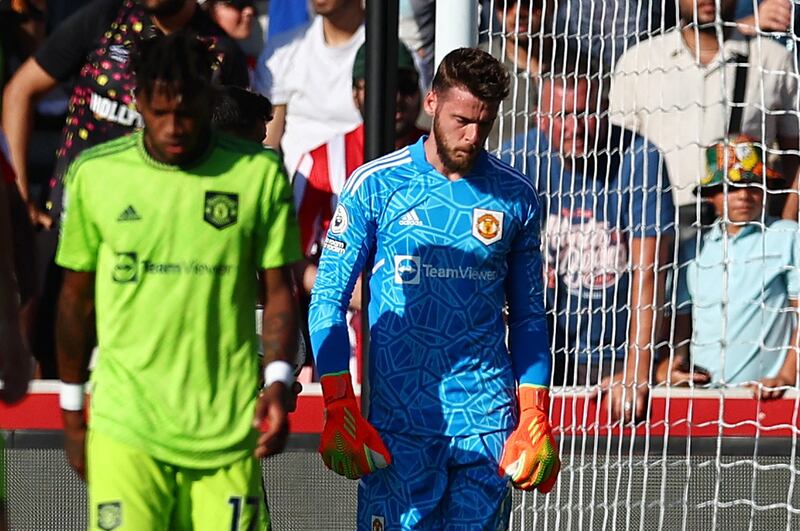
322	172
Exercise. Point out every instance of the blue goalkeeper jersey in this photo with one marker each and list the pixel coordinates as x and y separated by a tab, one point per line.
445	256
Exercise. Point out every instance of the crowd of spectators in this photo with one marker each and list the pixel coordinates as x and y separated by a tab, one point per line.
663	143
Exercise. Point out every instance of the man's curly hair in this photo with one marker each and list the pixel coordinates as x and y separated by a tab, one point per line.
180	60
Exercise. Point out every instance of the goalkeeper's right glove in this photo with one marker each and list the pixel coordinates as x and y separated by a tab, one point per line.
350	446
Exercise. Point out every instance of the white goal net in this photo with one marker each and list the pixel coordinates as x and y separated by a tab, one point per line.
662	137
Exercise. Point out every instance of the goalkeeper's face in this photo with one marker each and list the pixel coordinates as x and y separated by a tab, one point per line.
461	123
570	116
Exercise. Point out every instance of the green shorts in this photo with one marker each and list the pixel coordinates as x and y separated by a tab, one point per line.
129	490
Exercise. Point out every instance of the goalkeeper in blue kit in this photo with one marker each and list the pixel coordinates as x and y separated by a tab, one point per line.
452	235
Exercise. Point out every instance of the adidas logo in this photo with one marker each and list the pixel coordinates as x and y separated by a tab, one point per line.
411	218
129	214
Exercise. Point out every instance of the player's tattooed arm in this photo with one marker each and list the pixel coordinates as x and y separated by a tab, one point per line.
75	326
279	337
279	326
75	337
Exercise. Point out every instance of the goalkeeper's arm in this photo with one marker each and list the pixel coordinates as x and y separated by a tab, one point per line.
530	457
349	445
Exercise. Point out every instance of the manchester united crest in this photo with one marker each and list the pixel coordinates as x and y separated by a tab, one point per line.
109	515
221	209
487	225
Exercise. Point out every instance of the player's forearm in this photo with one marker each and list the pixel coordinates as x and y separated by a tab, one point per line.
75	327
330	340
530	352
279	321
327	318
529	338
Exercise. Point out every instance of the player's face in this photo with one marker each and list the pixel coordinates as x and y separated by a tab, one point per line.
164	8
705	11
569	116
744	203
175	128
461	123
236	20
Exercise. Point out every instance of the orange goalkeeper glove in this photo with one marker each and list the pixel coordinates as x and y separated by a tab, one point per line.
530	457
349	445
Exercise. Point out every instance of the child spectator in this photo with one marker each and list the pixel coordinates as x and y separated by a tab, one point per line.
738	287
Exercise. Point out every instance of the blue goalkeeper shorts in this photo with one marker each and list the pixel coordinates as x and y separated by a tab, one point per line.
437	483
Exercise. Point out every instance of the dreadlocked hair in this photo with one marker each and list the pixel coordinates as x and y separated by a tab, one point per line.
180	61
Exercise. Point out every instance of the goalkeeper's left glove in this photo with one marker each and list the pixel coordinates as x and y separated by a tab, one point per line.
530	456
350	446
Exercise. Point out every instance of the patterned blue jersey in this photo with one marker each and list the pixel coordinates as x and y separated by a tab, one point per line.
447	256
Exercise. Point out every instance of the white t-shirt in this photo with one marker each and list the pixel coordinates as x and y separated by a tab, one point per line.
315	82
663	93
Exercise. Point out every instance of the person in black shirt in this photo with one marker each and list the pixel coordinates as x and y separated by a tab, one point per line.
93	46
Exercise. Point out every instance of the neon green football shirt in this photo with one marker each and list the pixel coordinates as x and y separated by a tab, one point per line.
175	253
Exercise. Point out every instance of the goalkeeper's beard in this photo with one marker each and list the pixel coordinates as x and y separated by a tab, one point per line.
447	153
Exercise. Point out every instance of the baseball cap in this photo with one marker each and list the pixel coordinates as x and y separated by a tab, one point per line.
739	161
404	61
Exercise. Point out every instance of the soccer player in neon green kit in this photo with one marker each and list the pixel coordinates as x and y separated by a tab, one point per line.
162	237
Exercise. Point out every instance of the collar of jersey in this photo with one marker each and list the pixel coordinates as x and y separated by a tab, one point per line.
172	167
417	151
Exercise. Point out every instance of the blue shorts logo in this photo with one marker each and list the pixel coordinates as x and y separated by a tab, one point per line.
406	269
